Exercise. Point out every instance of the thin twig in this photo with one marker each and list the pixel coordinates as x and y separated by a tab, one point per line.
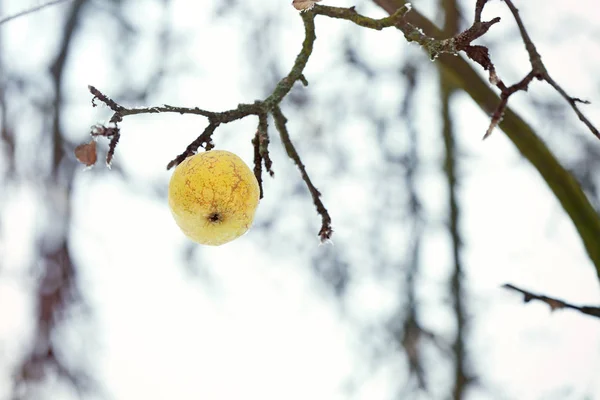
280	123
259	108
261	151
296	73
216	118
263	143
539	70
554	303
561	182
534	56
414	335
204	140
412	33
30	10
257	163
350	14
112	145
506	93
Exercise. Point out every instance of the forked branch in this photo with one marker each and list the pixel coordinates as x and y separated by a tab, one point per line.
30	10
270	105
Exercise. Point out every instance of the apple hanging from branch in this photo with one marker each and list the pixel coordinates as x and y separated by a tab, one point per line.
213	197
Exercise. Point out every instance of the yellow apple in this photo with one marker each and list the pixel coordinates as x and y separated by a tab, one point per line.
213	196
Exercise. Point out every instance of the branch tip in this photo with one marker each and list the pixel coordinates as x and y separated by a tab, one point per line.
553	303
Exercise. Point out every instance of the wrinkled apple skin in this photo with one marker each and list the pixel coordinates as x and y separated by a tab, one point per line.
213	197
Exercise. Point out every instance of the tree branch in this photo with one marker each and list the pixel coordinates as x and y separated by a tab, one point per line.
539	69
451	165
30	10
261	151
554	303
413	33
258	108
560	181
350	14
216	118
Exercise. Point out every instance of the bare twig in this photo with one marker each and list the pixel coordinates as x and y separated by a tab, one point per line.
30	10
261	151
263	143
412	33
434	47
204	140
350	14
216	118
538	71
57	288
257	163
506	93
554	303
259	108
414	335
573	103
112	145
560	181
478	9
280	123
451	165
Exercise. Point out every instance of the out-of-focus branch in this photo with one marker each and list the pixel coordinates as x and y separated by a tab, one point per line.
554	303
561	182
350	14
451	163
30	10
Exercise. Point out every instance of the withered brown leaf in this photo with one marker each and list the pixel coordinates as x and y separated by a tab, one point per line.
86	153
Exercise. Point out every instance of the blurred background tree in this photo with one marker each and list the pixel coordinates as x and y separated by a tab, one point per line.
102	297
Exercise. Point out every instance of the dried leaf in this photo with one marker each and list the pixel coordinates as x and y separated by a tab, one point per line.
304	5
555	304
86	153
